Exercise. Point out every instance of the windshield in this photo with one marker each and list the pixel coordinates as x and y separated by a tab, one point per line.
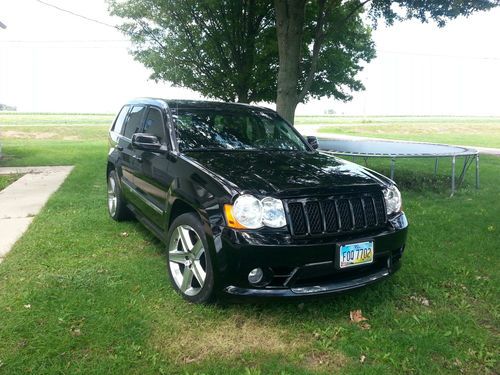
247	129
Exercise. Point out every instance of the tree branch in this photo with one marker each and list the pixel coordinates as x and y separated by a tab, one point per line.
148	31
190	39
318	41
355	10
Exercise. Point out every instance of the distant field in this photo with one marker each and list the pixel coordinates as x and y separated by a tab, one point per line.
394	120
475	131
51	126
54	119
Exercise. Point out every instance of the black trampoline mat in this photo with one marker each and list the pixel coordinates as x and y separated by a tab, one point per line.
391	148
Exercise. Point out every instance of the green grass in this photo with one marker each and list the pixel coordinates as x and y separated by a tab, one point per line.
476	131
77	295
6	180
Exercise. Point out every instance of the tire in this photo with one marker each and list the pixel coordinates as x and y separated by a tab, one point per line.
189	263
117	206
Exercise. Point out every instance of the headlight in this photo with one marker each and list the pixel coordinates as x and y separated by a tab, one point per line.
392	200
273	213
249	212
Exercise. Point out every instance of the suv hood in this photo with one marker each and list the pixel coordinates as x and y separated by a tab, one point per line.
285	173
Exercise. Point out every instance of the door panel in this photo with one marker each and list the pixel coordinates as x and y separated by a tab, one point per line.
153	184
131	166
152	181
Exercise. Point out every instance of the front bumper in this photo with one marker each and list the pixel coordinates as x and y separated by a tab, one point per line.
306	267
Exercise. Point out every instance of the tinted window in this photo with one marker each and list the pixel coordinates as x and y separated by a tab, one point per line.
154	124
134	121
117	127
235	129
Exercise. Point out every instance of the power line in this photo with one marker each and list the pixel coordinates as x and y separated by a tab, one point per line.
79	15
149	32
117	41
438	55
66	41
141	24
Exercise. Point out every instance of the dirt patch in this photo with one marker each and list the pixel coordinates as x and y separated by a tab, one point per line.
14	134
228	338
331	362
231	339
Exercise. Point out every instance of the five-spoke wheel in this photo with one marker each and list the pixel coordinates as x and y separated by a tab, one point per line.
189	261
112	195
117	207
186	256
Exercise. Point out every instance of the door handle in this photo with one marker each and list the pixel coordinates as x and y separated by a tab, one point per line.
138	158
119	148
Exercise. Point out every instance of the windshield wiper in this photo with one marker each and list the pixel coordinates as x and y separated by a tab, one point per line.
219	149
204	149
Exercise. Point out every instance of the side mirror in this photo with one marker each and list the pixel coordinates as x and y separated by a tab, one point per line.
313	141
147	142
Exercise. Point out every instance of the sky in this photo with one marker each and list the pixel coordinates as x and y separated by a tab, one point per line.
52	61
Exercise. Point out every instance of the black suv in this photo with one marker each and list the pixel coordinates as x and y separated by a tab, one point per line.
246	206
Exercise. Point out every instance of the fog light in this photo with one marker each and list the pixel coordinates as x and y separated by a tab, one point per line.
255	276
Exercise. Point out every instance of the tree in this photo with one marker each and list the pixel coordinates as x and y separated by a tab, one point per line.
222	49
228	49
332	17
322	45
255	50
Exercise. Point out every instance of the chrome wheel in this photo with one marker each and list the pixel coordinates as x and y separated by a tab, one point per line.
187	260
112	196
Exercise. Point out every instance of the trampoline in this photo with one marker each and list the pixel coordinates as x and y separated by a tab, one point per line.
394	150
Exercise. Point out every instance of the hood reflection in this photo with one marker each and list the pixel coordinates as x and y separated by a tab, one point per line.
276	171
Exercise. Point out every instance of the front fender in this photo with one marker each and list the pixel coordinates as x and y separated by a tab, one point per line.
193	197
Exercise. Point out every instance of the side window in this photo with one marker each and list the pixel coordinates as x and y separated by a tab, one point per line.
120	119
154	124
134	121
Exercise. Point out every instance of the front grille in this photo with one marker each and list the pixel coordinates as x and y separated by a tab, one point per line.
338	214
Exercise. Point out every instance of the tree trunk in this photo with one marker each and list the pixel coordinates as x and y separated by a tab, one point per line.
289	28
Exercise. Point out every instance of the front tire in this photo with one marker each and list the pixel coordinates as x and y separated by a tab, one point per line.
189	262
117	206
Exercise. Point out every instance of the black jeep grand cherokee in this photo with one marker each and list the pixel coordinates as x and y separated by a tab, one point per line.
246	206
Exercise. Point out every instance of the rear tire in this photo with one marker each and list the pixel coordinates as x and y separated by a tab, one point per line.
189	263
117	206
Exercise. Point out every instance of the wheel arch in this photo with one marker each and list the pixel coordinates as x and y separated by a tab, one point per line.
110	166
180	207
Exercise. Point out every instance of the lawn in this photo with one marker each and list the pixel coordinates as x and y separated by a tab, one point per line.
6	180
80	293
476	131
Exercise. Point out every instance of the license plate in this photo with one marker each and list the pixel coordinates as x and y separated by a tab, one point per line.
354	254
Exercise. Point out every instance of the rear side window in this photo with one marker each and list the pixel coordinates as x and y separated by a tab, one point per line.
154	124
120	119
134	121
